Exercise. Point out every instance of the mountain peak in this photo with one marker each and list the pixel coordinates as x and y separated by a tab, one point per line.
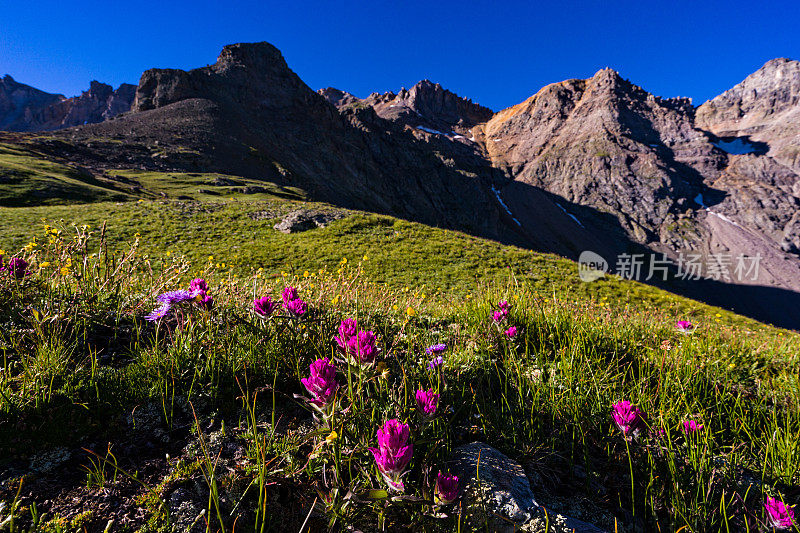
254	55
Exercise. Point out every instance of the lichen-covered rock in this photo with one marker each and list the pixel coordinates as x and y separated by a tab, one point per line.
499	494
304	220
493	484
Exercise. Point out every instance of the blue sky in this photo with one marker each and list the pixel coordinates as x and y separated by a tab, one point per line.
497	53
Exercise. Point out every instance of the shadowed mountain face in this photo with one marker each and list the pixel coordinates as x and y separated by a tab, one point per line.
23	108
596	164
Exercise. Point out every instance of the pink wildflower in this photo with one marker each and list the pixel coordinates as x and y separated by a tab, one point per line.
393	453
289	294
296	307
779	515
511	332
690	426
427	402
321	383
446	488
264	306
629	419
363	347
347	330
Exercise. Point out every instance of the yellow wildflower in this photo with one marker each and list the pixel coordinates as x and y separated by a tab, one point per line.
410	311
332	437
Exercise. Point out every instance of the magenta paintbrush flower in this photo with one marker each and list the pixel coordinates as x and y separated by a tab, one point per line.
198	285
393	453
347	330
296	307
363	347
427	402
446	488
289	294
779	515
511	332
321	383
264	306
18	267
690	426
684	326
628	418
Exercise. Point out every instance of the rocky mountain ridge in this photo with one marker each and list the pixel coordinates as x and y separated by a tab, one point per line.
598	164
24	108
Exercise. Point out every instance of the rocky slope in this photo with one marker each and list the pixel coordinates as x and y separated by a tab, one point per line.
671	185
249	114
597	164
764	108
23	108
426	106
19	103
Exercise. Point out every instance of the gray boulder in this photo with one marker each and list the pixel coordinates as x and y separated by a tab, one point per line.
498	494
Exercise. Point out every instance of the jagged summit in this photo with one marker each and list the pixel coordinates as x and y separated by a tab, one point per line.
338	97
24	108
764	107
245	74
426	106
251	55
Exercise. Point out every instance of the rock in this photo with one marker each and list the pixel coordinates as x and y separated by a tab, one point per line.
764	107
23	108
303	220
295	222
426	106
484	471
489	478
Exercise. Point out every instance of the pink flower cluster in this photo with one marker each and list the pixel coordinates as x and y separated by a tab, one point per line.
446	490
394	451
691	426
361	346
264	306
628	418
631	421
427	402
684	326
322	386
502	311
779	515
321	383
17	267
199	289
292	302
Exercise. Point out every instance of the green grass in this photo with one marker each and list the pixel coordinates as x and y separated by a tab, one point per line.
26	178
203	186
239	236
543	397
78	360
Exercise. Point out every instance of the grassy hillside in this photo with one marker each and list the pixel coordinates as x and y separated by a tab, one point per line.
199	420
237	236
